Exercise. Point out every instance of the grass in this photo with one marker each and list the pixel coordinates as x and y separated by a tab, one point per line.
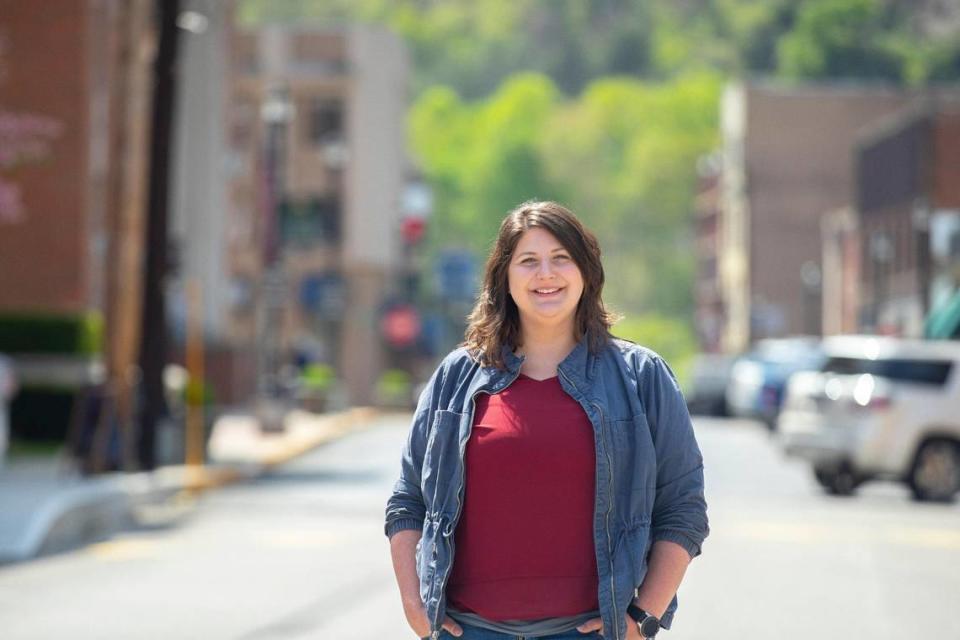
34	449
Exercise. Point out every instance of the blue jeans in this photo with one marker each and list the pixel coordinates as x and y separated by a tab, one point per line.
476	633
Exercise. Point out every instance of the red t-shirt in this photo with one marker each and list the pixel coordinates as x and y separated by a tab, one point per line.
525	538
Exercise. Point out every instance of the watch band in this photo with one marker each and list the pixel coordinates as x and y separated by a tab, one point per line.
644	620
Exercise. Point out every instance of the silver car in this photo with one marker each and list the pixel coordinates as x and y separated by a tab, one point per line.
759	377
879	408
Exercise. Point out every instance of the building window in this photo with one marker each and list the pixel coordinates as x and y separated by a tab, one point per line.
310	221
325	123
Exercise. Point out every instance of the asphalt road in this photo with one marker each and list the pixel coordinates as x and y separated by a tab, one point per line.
300	554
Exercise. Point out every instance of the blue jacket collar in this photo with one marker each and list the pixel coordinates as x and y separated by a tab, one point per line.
579	365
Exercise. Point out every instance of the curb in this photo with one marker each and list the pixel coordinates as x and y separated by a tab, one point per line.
75	516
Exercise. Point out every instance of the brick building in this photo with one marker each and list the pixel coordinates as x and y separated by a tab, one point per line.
786	161
908	207
75	97
53	156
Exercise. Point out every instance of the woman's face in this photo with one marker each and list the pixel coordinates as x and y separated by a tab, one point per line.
544	281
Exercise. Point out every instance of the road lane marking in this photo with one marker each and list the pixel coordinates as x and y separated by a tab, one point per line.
124	549
783	532
931	538
281	539
806	533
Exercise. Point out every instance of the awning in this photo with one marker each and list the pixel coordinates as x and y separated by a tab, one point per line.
943	323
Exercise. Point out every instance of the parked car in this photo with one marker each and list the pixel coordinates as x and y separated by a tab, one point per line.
709	378
8	388
759	377
880	408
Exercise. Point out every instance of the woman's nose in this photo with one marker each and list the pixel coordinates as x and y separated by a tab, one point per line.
545	269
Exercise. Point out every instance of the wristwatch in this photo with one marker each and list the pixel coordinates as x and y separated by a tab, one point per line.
648	624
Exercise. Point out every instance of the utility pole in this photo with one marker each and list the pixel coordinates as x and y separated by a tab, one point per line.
129	106
153	338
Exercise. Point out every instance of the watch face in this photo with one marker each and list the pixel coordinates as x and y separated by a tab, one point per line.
649	627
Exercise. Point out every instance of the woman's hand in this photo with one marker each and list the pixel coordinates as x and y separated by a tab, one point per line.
596	624
418	621
403	550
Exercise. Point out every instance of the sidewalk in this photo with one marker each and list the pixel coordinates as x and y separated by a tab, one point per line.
46	508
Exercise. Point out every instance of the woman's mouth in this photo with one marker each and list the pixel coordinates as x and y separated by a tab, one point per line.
546	292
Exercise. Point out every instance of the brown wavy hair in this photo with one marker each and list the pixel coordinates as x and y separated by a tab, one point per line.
495	319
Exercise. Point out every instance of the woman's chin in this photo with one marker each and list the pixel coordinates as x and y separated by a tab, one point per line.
548	314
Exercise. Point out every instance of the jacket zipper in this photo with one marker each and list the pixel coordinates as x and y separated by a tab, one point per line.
606	517
434	635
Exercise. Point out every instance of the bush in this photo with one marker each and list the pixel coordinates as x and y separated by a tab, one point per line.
79	334
317	377
394	388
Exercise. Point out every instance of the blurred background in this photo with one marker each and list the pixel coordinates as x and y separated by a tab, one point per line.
232	231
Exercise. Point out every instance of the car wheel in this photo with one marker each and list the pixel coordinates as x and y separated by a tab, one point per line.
837	481
935	476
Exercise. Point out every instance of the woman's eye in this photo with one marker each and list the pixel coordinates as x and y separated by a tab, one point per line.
561	258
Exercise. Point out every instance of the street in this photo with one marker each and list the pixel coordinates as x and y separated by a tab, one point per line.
300	554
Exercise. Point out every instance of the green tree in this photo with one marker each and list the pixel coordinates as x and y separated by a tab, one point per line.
841	39
628	152
473	46
622	155
483	156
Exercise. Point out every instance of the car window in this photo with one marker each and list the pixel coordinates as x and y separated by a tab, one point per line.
792	353
933	372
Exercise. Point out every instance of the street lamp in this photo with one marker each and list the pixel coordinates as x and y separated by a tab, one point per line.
276	113
881	255
811	277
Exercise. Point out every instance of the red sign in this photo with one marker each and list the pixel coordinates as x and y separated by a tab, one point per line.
401	326
413	229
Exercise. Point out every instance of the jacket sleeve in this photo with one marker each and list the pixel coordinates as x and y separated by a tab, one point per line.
679	510
405	507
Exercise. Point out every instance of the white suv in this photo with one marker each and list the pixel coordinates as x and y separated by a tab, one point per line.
880	407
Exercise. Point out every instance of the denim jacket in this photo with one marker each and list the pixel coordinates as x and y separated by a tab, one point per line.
649	471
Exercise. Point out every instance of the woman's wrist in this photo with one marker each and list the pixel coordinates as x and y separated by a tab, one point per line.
649	607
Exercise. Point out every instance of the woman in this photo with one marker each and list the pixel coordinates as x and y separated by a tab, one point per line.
559	462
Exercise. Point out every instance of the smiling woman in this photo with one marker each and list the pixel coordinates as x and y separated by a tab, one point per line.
528	501
541	246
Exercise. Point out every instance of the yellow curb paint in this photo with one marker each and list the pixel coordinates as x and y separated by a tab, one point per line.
124	549
197	479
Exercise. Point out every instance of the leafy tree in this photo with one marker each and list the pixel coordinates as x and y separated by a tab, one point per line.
622	155
628	150
840	38
474	46
483	156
